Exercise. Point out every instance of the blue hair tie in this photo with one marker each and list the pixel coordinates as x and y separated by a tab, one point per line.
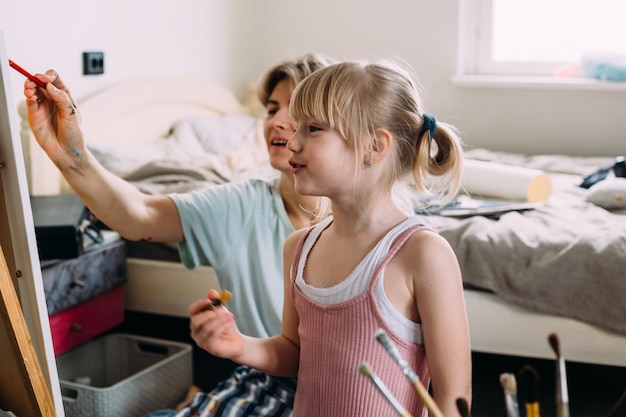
430	125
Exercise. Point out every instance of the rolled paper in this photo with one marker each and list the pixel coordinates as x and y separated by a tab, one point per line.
508	182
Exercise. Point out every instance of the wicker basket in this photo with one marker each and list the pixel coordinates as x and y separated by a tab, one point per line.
124	375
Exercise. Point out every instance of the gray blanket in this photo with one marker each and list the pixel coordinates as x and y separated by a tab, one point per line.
567	258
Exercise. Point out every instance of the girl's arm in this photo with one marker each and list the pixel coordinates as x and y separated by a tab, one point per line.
216	331
441	305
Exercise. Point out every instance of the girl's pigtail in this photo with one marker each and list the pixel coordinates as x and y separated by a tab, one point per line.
438	167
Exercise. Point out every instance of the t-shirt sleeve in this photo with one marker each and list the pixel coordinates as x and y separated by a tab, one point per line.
213	221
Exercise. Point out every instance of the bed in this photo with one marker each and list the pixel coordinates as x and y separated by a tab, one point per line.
551	267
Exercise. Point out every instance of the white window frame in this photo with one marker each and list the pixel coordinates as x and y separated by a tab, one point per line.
475	66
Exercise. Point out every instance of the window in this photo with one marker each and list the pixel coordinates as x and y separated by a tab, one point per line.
537	37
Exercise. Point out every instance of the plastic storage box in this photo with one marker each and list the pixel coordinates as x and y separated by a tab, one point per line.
124	375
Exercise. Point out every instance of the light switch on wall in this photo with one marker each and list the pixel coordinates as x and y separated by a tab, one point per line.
93	63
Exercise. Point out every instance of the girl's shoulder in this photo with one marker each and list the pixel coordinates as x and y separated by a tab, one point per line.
295	237
426	245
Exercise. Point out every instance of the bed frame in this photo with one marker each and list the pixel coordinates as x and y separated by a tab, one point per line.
141	109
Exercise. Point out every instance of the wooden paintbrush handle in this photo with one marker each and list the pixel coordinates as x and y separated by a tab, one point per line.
562	410
427	399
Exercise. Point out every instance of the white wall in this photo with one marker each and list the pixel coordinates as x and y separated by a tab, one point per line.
138	37
232	41
424	32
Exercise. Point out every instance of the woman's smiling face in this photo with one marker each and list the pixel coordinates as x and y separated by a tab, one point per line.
279	127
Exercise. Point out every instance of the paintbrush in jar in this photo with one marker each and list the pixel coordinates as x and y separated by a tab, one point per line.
463	407
530	387
562	396
509	385
616	407
366	370
421	390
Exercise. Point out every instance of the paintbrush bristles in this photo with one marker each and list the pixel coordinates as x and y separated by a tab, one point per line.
463	407
509	385
366	370
421	390
530	386
562	395
553	339
391	349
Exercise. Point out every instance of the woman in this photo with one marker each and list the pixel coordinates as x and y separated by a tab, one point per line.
238	229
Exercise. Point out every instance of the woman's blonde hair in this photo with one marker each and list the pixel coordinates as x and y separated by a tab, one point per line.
358	99
293	70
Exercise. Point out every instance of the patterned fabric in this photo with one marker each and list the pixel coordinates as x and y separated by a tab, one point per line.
247	392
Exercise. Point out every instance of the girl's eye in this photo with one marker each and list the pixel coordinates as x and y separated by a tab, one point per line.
272	111
313	128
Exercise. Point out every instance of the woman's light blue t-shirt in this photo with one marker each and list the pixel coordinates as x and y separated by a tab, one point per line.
239	229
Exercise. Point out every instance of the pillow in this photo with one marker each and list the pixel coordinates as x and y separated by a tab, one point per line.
215	134
609	194
122	159
187	139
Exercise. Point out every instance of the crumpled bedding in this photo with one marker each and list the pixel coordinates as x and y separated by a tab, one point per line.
567	258
239	153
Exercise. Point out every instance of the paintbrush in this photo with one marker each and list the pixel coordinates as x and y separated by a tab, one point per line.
463	407
223	298
366	370
617	406
530	387
509	385
562	397
421	390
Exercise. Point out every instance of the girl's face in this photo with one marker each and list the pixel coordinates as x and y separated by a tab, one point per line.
322	162
279	127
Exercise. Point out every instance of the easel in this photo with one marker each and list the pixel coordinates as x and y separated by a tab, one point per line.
22	387
29	384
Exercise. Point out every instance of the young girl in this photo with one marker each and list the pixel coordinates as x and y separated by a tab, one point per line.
361	133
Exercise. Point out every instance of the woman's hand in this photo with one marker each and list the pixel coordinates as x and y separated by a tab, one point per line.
214	329
55	120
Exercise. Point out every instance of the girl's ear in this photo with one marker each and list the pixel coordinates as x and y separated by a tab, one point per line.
381	145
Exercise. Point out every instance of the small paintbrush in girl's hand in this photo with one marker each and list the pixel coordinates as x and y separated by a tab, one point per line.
509	385
223	298
530	387
562	396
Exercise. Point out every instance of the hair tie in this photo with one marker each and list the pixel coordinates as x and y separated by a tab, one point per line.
430	125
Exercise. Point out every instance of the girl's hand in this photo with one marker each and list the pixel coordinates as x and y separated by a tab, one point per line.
215	330
55	119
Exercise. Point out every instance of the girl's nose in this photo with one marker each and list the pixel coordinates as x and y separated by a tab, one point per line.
292	144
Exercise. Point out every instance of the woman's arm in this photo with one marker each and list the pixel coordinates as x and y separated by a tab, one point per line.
56	124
